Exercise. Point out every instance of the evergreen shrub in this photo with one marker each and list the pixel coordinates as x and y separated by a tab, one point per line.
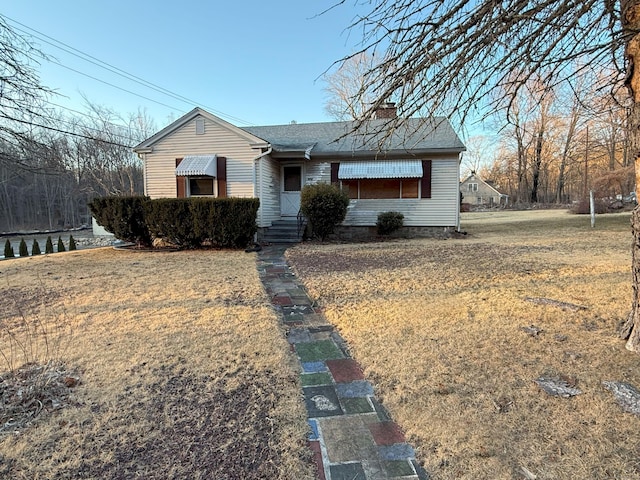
389	222
72	243
22	249
61	245
48	248
325	207
35	248
124	217
8	250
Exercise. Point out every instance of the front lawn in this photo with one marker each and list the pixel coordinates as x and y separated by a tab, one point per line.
174	363
454	333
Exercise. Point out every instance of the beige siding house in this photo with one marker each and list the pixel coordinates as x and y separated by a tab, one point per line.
413	169
478	192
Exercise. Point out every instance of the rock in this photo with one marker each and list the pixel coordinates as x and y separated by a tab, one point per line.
557	387
626	395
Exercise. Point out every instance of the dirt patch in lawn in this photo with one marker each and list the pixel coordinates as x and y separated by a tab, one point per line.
448	333
176	367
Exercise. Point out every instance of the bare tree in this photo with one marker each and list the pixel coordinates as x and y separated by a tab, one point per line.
347	95
20	89
449	57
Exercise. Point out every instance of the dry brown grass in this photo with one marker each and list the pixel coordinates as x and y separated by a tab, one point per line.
184	371
437	326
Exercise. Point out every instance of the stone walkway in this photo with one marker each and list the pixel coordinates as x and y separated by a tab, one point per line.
352	435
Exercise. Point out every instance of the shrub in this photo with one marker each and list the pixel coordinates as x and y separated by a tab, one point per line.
584	207
325	206
48	248
124	217
35	248
22	249
171	220
72	243
190	222
61	245
8	250
389	222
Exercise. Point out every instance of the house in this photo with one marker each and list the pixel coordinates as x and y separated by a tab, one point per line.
478	192
413	169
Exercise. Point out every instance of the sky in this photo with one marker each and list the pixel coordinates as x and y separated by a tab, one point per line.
251	62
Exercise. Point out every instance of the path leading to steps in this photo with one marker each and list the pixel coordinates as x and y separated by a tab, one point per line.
352	435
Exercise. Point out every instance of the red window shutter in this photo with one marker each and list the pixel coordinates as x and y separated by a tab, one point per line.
181	183
334	172
222	177
425	182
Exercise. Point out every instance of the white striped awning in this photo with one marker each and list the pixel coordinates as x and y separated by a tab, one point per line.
380	169
197	165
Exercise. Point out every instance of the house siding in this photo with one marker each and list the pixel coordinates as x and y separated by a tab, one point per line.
269	191
441	210
159	166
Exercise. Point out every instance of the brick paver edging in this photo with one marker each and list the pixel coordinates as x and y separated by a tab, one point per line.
351	435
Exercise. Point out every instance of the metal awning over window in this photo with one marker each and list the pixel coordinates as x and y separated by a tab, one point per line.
197	165
380	169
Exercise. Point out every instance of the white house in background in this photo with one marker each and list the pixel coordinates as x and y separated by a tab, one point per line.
413	169
478	192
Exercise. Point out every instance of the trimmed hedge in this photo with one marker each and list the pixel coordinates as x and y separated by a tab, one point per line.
183	222
124	217
192	222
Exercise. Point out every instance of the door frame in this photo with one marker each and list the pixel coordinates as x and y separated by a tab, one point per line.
290	198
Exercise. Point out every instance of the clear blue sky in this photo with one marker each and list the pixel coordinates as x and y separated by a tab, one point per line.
252	62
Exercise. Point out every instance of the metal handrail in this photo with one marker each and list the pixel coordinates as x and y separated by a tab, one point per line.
301	222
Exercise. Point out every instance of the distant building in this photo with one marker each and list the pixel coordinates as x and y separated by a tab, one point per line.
478	192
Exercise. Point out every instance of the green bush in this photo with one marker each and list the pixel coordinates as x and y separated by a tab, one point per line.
124	217
191	222
35	248
8	250
61	245
72	243
389	222
171	220
22	249
325	206
48	248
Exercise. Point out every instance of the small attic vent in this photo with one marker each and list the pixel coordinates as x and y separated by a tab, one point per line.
199	126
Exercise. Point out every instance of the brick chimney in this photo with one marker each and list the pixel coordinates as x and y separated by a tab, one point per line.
385	111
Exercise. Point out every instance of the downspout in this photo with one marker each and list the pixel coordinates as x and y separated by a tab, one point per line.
257	181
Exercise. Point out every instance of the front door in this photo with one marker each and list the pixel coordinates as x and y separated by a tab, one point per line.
290	192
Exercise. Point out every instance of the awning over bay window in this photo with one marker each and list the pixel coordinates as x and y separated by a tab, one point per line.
197	165
358	170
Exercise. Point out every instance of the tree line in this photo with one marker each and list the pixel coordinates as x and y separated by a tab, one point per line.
48	177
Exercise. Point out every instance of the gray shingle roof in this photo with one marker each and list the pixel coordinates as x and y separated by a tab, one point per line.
337	139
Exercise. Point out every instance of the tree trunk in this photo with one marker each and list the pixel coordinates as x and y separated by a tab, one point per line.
631	24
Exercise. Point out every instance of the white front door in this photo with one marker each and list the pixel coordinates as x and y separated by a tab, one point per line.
290	192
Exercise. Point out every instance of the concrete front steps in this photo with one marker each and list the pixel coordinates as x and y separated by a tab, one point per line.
284	231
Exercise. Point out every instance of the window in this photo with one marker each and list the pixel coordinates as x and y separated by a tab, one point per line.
201	186
381	188
473	187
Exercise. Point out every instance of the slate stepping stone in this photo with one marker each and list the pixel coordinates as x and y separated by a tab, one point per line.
386	433
398	468
399	451
347	471
321	401
320	378
356	405
358	388
318	351
314	367
345	370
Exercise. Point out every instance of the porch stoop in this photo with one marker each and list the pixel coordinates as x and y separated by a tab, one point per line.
284	231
